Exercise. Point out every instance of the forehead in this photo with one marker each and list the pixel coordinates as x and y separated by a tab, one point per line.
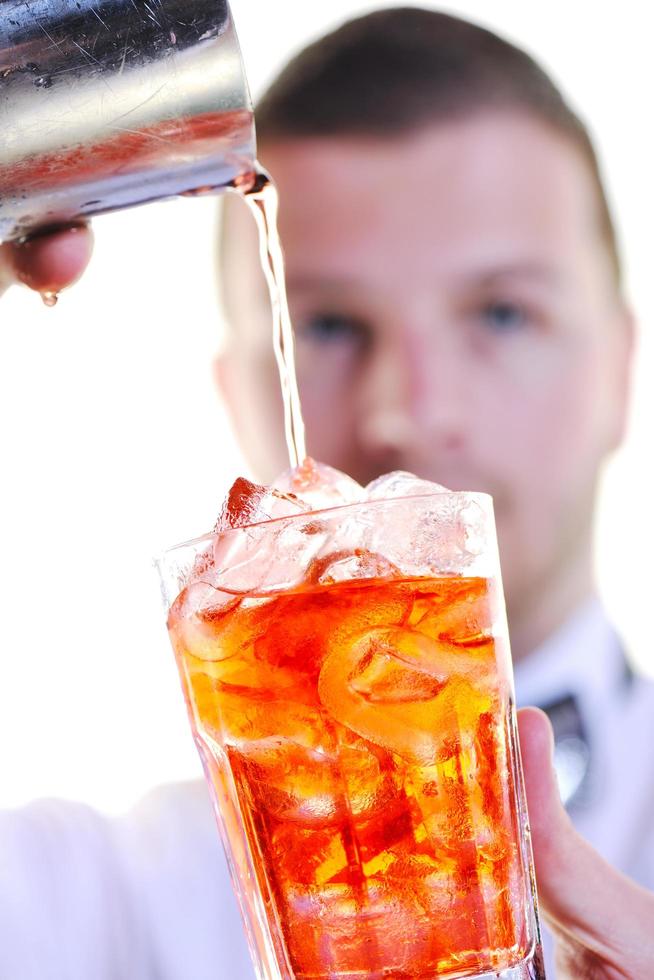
490	189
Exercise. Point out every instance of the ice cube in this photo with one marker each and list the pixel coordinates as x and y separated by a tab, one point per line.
240	505
299	782
273	556
355	935
347	565
399	483
318	486
245	552
366	684
245	557
248	503
193	620
422	528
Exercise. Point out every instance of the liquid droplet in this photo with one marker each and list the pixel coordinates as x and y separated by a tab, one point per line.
198	191
49	298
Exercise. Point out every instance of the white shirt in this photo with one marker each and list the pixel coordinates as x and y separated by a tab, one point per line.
585	659
145	897
614	810
148	897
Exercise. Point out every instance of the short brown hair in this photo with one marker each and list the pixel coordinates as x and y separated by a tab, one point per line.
396	70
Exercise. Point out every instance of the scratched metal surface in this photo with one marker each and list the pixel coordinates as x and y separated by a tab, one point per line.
109	104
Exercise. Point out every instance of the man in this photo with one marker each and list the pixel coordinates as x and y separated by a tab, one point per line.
455	285
466	325
454	282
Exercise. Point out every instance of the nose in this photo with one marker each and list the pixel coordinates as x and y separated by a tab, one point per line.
413	396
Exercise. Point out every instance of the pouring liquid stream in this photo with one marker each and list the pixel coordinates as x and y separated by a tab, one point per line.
260	193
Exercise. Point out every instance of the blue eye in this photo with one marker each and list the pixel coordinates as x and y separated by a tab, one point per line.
329	328
503	317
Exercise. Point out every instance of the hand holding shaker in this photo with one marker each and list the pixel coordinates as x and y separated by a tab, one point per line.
105	104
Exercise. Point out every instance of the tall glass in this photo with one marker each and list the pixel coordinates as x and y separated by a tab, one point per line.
348	681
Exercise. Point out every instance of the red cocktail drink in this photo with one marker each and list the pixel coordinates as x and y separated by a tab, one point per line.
349	687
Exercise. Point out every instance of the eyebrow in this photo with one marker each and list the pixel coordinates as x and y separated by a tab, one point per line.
484	276
535	271
317	281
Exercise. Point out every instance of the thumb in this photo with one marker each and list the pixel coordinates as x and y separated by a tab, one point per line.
47	262
602	921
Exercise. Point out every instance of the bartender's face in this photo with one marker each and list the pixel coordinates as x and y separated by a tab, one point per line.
455	315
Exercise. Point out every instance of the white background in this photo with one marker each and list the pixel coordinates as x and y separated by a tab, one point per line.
114	445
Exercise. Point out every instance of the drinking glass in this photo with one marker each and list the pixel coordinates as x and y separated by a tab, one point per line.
349	687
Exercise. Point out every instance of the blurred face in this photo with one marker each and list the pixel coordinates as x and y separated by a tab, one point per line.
455	316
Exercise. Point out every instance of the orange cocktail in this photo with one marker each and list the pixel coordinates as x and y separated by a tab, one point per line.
355	721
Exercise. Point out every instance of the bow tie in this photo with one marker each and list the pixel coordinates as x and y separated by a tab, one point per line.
571	749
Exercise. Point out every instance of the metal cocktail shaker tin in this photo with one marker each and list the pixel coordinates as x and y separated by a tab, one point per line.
106	104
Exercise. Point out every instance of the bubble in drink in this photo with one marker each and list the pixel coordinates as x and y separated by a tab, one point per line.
357	731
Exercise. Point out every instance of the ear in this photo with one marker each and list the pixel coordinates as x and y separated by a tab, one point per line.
624	351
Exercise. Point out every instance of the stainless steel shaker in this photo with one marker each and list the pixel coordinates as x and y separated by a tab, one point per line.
106	104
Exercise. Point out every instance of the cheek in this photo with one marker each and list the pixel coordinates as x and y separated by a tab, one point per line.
265	392
327	413
544	451
259	416
326	394
573	422
553	418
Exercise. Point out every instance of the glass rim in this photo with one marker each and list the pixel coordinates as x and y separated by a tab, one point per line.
479	495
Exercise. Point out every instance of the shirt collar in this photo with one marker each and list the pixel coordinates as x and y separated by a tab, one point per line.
576	676
582	658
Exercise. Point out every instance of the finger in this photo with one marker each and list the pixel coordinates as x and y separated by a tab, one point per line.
7	275
52	261
581	895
